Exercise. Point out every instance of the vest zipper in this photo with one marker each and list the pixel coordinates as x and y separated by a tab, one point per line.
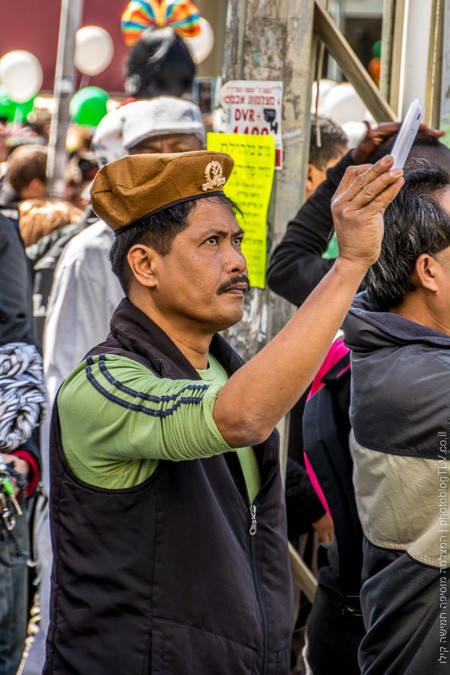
257	586
252	529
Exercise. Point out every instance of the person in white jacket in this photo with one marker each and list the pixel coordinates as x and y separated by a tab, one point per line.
85	291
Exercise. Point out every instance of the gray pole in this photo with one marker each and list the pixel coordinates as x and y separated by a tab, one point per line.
63	90
274	41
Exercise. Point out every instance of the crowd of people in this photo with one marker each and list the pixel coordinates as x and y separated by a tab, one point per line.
164	545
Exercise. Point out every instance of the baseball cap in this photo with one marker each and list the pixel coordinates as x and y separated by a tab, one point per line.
161	116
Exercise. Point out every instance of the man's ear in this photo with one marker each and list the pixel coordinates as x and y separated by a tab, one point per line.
314	177
141	260
310	180
426	272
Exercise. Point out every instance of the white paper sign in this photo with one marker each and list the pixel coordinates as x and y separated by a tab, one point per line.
253	107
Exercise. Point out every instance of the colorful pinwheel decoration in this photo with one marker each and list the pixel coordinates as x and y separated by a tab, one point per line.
180	15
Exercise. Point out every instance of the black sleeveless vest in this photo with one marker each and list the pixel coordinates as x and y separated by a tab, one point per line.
165	577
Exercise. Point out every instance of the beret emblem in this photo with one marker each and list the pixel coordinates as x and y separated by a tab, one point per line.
214	176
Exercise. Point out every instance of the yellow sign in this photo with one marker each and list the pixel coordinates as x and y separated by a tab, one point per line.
250	186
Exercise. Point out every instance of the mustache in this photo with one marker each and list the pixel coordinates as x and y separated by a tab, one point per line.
234	281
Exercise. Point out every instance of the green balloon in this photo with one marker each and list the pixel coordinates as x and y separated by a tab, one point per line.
376	49
88	106
23	110
7	107
12	111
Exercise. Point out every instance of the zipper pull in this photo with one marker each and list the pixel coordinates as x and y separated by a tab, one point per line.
252	529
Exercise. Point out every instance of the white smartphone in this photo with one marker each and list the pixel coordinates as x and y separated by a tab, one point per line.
407	133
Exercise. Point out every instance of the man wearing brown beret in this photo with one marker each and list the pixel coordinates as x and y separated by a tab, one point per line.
167	508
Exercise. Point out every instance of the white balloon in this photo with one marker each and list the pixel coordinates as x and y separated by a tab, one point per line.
201	45
343	104
21	73
324	87
94	50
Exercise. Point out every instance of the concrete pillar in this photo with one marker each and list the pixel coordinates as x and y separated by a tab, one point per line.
273	41
268	40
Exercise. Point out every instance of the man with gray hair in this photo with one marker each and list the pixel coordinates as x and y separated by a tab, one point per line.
399	334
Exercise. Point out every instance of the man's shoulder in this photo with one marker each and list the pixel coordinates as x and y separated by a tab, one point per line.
408	371
126	381
117	366
96	237
400	398
417	362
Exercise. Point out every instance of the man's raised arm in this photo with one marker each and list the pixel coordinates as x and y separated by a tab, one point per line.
257	396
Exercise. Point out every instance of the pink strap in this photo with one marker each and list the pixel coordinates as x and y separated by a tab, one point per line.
335	353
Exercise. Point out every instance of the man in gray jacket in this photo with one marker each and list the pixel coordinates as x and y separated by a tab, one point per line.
399	333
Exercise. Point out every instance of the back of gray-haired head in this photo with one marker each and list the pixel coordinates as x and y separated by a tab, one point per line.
426	151
415	223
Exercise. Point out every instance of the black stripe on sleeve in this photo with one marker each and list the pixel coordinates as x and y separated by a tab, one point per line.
177	399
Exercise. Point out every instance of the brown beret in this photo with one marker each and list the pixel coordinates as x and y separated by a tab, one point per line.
124	192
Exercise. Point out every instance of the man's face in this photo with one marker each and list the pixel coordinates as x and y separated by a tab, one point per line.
434	274
443	257
168	143
201	283
316	176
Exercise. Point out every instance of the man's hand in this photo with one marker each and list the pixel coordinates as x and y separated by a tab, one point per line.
377	135
358	206
324	529
20	465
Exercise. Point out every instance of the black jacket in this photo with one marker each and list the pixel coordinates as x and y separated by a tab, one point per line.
16	321
296	265
9	202
165	577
